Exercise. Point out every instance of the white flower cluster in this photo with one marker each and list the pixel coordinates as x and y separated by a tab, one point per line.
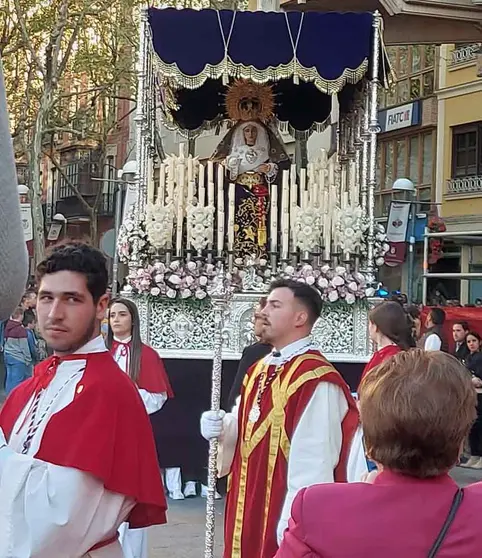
350	227
130	235
307	228
159	224
200	221
380	247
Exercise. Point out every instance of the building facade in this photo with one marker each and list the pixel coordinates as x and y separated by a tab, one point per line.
459	167
407	145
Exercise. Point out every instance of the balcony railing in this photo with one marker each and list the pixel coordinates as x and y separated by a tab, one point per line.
465	187
464	54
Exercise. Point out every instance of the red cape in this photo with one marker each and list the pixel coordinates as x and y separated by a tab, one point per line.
152	376
105	432
380	356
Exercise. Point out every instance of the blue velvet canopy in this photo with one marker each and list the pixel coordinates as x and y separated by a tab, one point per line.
306	56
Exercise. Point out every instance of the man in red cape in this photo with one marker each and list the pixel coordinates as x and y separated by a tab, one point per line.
77	455
294	427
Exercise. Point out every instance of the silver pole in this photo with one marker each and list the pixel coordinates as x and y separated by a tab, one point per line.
453	275
453	234
219	296
411	251
373	131
425	266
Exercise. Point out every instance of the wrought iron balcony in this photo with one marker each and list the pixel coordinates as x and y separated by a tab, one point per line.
464	54
468	187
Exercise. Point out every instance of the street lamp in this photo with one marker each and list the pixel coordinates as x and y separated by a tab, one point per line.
407	186
23	192
60	218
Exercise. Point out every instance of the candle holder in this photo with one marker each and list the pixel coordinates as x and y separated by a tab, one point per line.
230	260
273	257
168	255
306	259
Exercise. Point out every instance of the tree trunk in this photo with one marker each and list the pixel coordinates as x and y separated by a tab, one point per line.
94	228
35	164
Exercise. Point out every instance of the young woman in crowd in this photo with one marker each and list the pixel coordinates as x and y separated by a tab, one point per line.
474	363
390	330
146	370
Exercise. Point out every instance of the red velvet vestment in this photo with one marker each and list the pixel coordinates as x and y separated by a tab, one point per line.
258	478
105	432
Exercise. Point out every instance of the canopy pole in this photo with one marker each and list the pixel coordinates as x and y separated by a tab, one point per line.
373	129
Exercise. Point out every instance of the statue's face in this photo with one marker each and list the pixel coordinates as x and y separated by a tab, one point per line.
250	135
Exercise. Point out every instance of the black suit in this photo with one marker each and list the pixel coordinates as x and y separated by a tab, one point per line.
251	354
462	352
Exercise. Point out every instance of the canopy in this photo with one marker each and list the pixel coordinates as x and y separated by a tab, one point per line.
307	56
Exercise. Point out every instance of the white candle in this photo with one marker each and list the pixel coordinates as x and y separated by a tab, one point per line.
344	200
161	194
201	190
285	216
211	194
231	208
220	243
170	181
327	234
190	169
180	210
190	192
274	218
304	192
182	150
210	172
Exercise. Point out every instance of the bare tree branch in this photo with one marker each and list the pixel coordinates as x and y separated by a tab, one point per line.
26	37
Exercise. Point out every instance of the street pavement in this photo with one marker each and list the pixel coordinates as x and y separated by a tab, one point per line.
183	536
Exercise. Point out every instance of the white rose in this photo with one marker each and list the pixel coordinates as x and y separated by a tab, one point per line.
185	293
174	279
333	296
129	227
171	293
191	266
380	261
209	268
350	298
289	269
307	268
353	287
145	282
174	265
340	270
370	291
203	280
155	291
310	280
189	281
322	283
337	281
160	267
159	278
200	294
325	269
262	262
127	288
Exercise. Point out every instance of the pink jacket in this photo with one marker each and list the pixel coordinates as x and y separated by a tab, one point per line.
396	517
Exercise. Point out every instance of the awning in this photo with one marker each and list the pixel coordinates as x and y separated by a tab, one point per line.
306	56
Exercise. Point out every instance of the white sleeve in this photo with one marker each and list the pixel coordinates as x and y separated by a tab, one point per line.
153	402
433	343
228	440
47	510
315	446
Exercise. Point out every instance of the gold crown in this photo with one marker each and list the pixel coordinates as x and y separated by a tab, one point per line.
246	100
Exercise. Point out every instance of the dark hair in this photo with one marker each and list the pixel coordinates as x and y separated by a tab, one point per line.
463	323
308	296
416	410
413	311
136	343
392	321
438	316
474	334
28	318
80	258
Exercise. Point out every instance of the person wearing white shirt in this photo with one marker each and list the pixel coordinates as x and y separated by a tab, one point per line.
146	369
293	426
77	456
434	339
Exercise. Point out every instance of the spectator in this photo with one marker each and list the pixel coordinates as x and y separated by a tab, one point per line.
29	304
434	339
478	302
413	312
405	511
459	333
18	360
474	364
30	323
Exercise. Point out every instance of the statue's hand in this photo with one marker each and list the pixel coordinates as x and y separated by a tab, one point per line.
263	168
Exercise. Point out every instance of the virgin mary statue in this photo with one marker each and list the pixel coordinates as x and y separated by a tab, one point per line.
251	153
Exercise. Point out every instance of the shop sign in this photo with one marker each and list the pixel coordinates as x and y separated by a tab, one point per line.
398	118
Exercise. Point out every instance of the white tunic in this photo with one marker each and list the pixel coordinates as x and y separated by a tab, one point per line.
48	511
317	439
134	541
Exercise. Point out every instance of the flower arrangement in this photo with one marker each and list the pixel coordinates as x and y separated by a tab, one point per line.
307	228
436	224
200	221
350	227
176	280
381	245
130	235
159	224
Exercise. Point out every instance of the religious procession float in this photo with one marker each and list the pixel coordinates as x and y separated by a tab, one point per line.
249	214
